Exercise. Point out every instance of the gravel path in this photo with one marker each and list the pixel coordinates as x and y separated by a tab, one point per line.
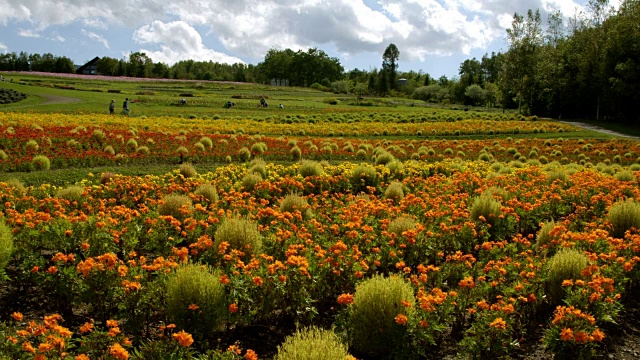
599	129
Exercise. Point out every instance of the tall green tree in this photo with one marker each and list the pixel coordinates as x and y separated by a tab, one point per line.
390	59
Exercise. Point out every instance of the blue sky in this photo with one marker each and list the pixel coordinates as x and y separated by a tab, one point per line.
434	36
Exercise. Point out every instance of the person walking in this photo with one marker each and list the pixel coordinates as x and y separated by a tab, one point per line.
112	107
125	106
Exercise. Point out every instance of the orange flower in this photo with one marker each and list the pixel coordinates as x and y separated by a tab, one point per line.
45	347
193	307
40	357
224	279
345	299
597	335
26	346
82	357
566	334
117	351
113	331
257	280
233	308
112	323
467	282
184	338
17	316
499	324
581	337
401	319
86	328
52	270
251	355
568	282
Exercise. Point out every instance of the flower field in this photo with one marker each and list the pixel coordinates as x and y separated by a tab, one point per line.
492	242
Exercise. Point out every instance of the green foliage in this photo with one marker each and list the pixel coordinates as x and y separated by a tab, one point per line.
206	142
486	206
32	145
175	205
241	234
259	167
71	193
624	215
401	224
363	176
371	327
199	285
293	202
296	153
312	344
41	163
250	181
244	154
310	168
543	238
626	176
395	192
6	244
566	264
187	170
208	192
384	158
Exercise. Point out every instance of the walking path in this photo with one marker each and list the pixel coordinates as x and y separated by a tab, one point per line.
599	129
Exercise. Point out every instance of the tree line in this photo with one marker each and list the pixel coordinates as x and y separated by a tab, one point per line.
588	67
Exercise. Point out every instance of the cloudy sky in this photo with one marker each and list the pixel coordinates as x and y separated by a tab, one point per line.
432	35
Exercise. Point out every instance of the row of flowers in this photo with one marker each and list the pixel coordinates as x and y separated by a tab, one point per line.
109	253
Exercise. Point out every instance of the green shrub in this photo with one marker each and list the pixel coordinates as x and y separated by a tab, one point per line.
208	192
132	144
543	238
293	202
6	244
384	158
250	181
187	170
244	154
199	285
626	176
486	206
296	153
206	141
106	177
310	168
241	234
32	145
561	175
182	151
258	148
566	264
395	192
41	162
363	176
372	329
312	344
624	215
199	147
395	169
3	155
71	193
361	154
400	225
258	166
175	205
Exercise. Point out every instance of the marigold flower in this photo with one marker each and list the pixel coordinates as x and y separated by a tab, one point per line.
498	324
581	337
251	355
40	357
345	299
184	338
113	331
194	307
82	357
45	347
568	282
86	328
224	279
17	316
401	319
112	323
117	351
257	280
233	308
26	346
566	334
597	335
467	282
52	270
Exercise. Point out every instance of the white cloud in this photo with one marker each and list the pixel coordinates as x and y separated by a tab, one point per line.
57	37
96	37
28	33
178	41
4	48
96	23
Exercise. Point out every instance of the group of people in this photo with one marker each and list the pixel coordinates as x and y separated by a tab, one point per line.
125	106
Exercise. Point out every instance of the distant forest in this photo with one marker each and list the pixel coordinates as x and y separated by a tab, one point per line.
588	67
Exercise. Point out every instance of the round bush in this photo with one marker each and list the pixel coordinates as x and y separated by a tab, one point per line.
208	192
182	151
310	168
241	234
175	205
3	155
371	326
543	238
312	344
244	154
394	192
199	285
486	206
296	153
566	264
41	162
384	158
293	202
206	141
258	166
626	176
363	176
106	177
187	170
132	144
32	145
6	244
624	215
72	193
400	225
250	181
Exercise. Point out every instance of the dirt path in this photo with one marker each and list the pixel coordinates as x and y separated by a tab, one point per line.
49	100
599	129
